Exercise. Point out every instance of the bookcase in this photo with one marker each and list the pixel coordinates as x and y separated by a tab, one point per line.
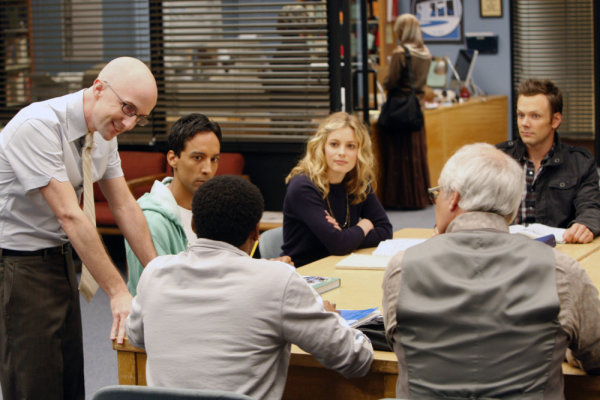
15	54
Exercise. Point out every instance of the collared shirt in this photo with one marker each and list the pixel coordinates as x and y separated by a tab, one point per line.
40	143
212	317
526	214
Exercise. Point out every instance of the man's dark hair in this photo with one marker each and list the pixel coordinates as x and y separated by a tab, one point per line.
187	127
227	208
533	87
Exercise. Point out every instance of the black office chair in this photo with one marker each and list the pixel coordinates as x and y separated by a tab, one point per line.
127	392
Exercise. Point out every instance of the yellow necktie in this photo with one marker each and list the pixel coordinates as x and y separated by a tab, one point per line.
88	286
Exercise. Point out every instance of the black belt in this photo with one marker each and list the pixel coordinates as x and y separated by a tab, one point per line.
62	249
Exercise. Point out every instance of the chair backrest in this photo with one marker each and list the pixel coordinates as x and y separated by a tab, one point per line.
270	242
137	164
230	164
127	392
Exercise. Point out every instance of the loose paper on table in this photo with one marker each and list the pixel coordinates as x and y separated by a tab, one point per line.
363	261
392	246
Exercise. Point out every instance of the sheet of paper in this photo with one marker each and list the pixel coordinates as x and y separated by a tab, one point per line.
363	261
538	230
392	246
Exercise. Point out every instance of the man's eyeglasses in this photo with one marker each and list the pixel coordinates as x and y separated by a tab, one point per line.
129	109
434	192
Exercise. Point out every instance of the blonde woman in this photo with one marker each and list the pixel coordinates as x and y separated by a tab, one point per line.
405	174
329	206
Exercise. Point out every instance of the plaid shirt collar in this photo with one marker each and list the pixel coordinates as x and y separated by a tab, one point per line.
526	214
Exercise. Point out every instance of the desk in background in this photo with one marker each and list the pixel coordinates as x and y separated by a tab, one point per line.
270	220
481	119
308	379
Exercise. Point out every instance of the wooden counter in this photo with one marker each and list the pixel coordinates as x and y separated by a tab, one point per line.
481	119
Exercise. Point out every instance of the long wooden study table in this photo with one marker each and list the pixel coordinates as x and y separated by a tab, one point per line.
308	379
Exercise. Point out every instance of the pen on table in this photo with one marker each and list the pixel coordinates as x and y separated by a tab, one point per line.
254	249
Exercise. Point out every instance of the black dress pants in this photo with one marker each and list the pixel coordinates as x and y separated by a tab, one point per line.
40	328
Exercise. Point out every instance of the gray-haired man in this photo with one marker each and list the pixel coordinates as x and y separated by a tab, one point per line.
478	312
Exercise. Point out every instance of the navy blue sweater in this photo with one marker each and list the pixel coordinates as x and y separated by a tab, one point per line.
307	236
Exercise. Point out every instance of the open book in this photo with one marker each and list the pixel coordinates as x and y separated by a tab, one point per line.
392	246
536	231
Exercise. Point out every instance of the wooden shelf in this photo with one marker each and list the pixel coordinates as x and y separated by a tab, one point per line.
17	67
16	49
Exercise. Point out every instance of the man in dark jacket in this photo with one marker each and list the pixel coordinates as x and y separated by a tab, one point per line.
561	185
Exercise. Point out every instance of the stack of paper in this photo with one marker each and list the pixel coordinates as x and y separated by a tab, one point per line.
322	284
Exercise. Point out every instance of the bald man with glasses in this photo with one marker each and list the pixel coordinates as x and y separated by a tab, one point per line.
41	182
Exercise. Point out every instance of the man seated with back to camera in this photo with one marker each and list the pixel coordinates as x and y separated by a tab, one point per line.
476	312
561	185
213	317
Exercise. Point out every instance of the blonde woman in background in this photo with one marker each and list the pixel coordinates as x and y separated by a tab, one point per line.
329	207
405	174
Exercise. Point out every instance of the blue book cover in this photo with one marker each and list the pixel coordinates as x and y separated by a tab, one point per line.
359	317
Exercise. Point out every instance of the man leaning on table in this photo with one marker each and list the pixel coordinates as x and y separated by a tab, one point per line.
41	179
213	317
478	312
561	184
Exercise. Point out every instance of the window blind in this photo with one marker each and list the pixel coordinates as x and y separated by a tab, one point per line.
259	68
14	57
554	39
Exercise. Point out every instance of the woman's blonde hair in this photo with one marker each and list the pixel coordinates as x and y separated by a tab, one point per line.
408	30
314	164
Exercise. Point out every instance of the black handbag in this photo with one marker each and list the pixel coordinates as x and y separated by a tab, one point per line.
402	114
375	331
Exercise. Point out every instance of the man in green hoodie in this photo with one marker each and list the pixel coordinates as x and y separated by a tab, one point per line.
194	148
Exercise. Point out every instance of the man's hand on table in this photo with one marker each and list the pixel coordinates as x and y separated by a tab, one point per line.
330	306
578	233
284	259
120	306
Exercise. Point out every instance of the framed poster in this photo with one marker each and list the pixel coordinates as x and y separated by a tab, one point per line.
440	20
490	8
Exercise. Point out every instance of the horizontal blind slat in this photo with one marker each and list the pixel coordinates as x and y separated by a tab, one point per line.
553	39
259	68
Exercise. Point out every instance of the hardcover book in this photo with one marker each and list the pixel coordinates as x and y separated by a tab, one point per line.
356	318
322	284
